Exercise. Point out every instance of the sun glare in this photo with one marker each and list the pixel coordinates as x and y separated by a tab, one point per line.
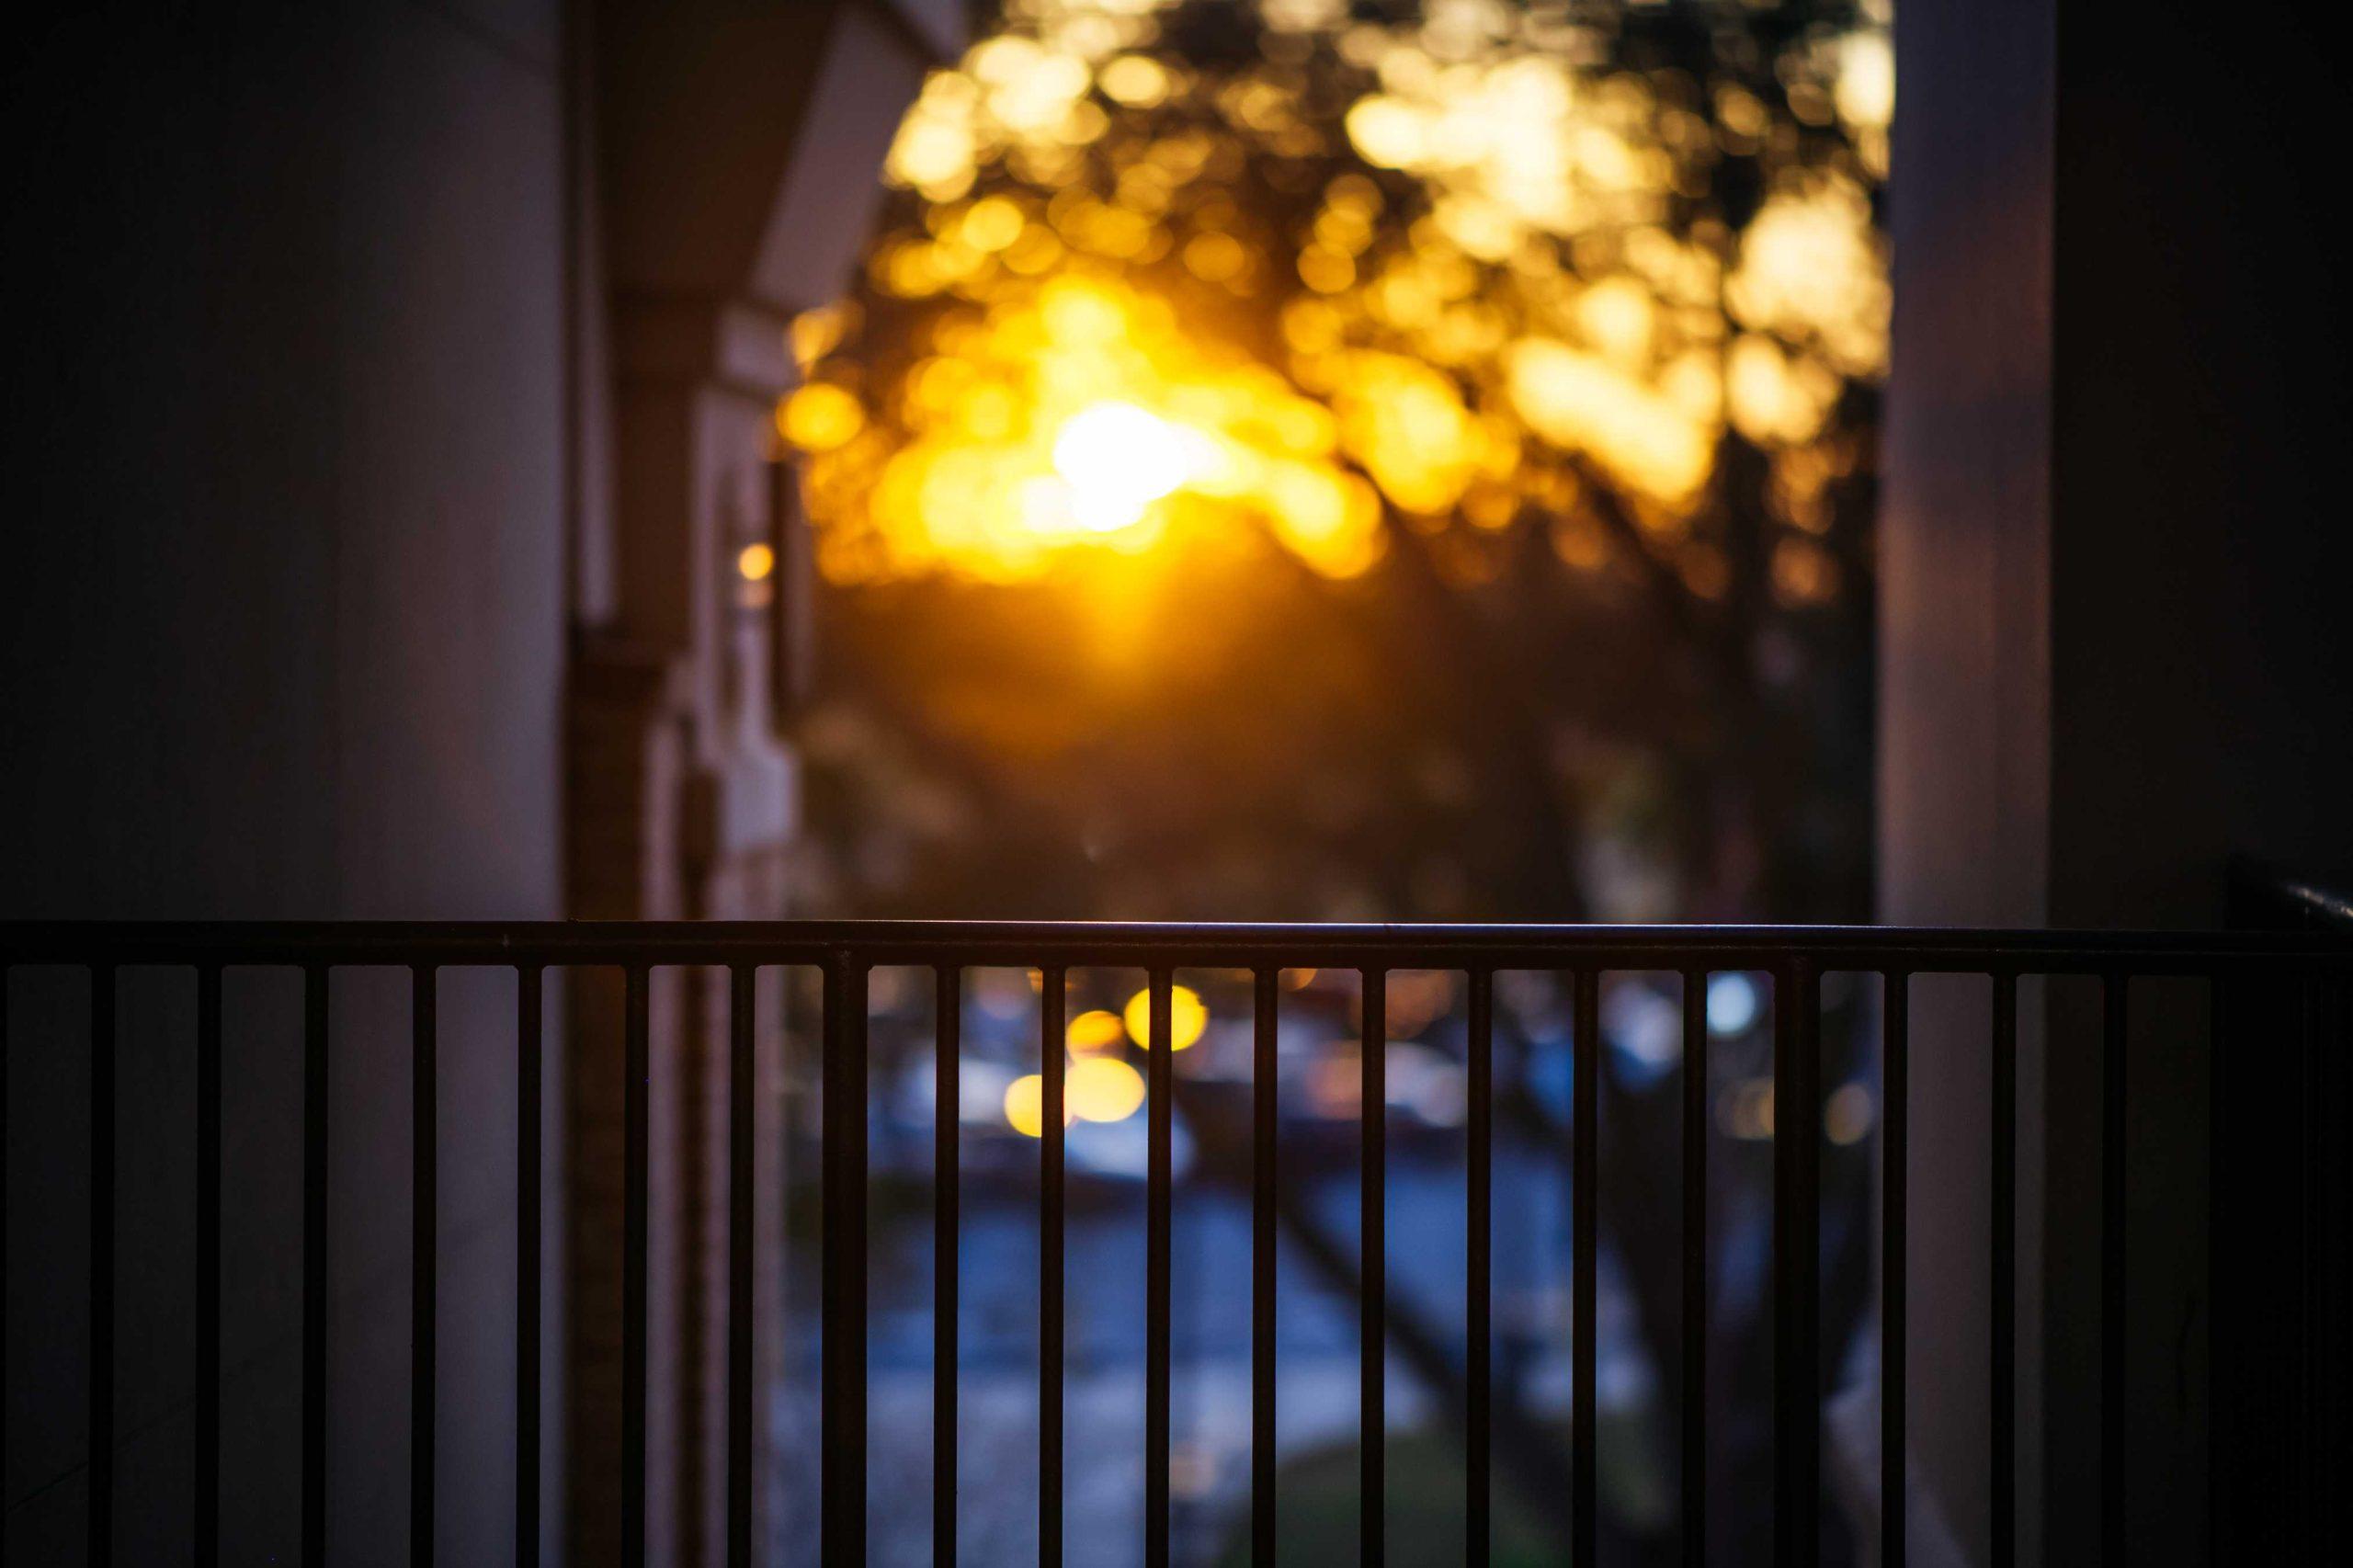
1117	459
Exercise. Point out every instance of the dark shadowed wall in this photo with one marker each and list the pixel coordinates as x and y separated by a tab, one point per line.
281	599
2118	649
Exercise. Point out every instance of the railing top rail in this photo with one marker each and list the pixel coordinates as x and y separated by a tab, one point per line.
1164	944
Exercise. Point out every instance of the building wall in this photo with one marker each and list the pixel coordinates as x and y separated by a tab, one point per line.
282	601
2202	661
2115	649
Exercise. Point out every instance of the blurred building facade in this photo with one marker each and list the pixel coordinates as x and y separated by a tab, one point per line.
735	152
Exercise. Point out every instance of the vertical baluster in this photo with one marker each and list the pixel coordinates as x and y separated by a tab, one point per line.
314	1267
1797	1188
102	1272
1478	1256
2002	1305
424	1261
1584	1270
740	1005
2112	1236
1694	1417
636	1070
207	1266
1158	1180
947	1032
1895	1124
528	1113
1264	1085
5	1061
1052	1062
1372	1336
843	1267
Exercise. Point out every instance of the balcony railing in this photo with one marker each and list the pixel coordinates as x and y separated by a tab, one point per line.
1795	957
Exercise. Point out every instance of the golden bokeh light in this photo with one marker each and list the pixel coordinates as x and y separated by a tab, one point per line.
1810	271
1103	1088
1579	402
1136	80
1865	93
1188	1016
821	417
991	223
1497	285
1096	1029
1025	1104
755	563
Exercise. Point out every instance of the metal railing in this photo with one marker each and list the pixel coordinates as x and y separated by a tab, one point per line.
1796	958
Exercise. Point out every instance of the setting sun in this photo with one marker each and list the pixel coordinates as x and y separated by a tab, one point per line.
1116	459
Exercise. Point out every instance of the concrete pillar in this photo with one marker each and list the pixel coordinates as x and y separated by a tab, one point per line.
281	630
2115	652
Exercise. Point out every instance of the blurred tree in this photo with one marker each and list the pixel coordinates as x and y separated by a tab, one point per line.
1320	459
1312	459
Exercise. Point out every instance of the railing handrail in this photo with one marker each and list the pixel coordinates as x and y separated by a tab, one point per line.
1164	944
